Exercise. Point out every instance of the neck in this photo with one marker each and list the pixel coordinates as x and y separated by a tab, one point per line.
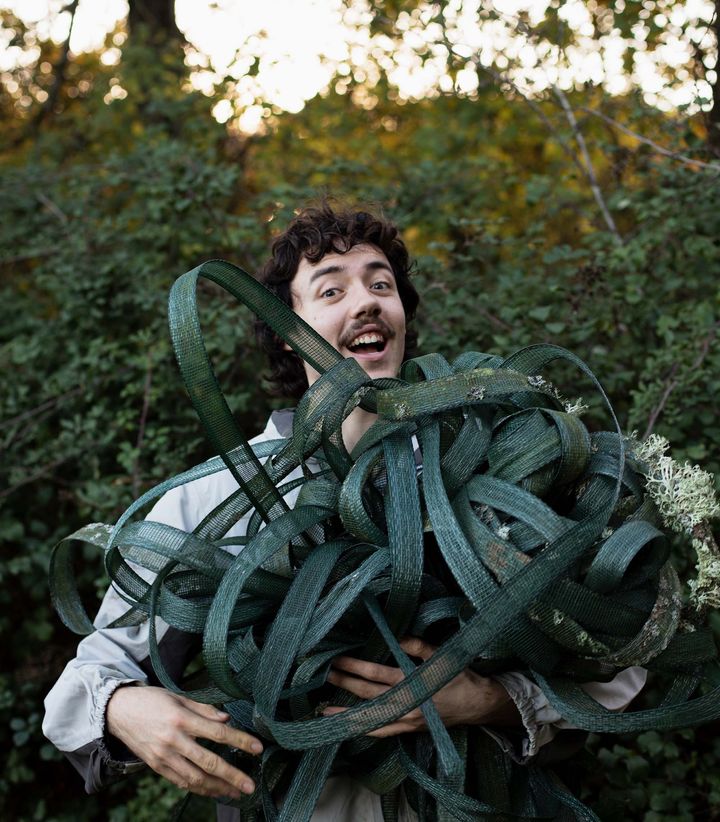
355	425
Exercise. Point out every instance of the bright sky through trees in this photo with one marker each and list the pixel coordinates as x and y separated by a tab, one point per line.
299	47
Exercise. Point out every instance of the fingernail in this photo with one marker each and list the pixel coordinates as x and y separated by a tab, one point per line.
256	747
248	787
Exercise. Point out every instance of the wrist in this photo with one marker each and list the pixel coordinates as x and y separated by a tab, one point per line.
116	754
495	706
115	708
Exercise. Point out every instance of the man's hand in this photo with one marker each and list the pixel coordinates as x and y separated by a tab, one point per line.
469	699
161	728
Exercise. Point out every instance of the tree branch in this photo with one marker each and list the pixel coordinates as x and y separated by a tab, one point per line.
670	385
585	165
50	404
30	255
53	207
41	472
675	155
38	409
495	320
537	110
587	162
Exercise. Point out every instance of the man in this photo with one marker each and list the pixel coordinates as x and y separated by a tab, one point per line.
347	275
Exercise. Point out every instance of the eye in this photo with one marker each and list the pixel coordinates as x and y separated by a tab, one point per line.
380	285
329	292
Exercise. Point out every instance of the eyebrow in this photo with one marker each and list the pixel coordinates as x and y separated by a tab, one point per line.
375	265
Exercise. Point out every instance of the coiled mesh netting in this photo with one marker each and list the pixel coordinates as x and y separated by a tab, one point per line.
476	513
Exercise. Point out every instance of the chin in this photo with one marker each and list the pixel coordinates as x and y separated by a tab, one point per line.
376	371
375	368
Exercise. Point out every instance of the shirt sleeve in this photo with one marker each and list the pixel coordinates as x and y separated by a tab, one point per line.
541	722
107	659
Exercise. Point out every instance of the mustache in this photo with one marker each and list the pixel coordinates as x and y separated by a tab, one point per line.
380	324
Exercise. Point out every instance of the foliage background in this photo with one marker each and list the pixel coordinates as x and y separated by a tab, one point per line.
599	231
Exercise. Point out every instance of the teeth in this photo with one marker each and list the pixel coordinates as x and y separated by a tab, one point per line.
367	339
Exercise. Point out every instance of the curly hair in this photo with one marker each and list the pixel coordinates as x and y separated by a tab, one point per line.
313	233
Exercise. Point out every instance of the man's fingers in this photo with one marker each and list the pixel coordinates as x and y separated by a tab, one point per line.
360	687
219	731
393	729
368	670
402	726
207	711
189	777
331	710
414	646
214	767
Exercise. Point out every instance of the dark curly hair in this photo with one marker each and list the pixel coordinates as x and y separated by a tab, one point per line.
313	233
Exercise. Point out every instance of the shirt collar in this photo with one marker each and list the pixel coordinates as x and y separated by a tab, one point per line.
280	424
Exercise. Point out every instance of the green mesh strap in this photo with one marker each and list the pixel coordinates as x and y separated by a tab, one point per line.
514	540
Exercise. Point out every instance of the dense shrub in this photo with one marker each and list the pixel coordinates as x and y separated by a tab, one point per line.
96	225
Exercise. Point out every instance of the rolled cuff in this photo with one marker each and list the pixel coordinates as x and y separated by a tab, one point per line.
521	745
541	722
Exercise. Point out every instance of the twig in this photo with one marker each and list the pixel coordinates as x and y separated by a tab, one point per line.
675	155
141	430
29	255
590	170
17	434
50	404
68	491
535	108
496	321
53	207
585	167
38	409
671	383
41	472
60	67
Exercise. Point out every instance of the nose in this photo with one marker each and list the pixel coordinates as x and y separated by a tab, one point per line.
365	302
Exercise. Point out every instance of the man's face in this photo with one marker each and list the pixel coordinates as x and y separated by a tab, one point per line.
352	301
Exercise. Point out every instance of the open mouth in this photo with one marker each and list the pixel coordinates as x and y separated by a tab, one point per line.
368	343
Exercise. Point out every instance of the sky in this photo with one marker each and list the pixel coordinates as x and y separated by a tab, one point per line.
301	45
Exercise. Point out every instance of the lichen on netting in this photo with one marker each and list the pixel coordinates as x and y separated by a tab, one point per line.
686	498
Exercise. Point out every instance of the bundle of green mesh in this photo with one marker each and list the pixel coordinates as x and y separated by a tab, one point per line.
516	540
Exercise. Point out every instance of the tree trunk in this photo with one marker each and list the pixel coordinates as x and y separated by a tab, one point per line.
713	119
156	16
47	109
